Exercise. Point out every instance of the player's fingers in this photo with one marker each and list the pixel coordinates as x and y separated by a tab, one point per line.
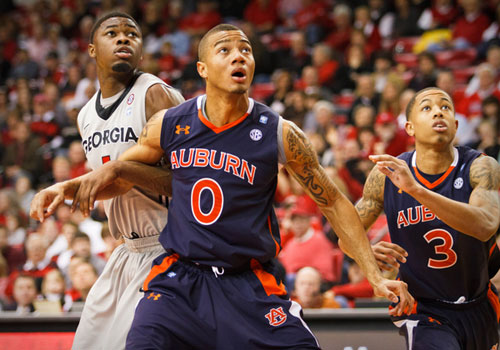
394	247
54	204
391	254
380	157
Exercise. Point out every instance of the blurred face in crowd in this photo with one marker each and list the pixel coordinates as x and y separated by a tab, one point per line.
53	283
81	247
363	116
300	224
24	291
36	247
446	81
366	86
83	277
307	286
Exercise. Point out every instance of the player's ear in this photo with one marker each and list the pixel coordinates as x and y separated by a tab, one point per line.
409	128
91	50
202	69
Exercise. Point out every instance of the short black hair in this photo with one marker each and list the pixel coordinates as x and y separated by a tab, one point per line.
106	16
410	104
218	28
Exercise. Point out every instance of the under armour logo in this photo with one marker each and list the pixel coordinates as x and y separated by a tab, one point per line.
178	129
155	297
276	317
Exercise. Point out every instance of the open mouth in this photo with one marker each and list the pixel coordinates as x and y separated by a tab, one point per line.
238	75
439	126
123	52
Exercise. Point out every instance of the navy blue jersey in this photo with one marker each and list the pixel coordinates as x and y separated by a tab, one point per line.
443	264
224	180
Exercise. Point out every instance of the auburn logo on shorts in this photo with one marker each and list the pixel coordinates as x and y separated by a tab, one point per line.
178	129
276	317
155	297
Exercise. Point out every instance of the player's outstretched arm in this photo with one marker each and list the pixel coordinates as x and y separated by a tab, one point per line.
303	164
479	218
369	207
133	168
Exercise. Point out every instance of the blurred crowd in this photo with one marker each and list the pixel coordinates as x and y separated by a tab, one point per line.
343	71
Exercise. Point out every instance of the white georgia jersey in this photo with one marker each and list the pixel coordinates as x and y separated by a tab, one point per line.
105	137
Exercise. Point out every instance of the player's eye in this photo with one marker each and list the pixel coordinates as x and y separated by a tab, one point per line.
445	107
133	34
426	108
111	33
223	50
246	50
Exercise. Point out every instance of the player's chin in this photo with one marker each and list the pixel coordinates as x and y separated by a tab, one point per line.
122	67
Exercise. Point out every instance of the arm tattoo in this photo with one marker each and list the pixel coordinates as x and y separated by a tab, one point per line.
372	203
485	173
310	173
145	130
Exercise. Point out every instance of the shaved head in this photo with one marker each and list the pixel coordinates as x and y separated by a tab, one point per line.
410	105
202	47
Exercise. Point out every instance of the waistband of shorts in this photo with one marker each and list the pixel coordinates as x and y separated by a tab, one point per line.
142	244
213	269
455	305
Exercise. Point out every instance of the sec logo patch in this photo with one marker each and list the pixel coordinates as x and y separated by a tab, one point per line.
256	134
130	99
459	182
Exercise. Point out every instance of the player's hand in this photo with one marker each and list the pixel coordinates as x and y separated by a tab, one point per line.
90	185
397	292
46	201
397	171
389	255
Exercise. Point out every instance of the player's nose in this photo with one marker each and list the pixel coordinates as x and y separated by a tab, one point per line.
122	39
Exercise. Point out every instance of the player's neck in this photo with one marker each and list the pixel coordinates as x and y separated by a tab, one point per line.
434	161
111	84
222	109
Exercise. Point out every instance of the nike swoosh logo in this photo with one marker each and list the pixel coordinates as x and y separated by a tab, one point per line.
85	127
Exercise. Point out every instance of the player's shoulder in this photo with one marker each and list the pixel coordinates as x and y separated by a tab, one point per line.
263	114
189	107
486	170
88	109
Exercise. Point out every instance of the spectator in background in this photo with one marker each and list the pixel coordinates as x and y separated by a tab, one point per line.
24	193
493	58
470	106
38	46
87	86
4	281
402	23
80	246
469	28
23	66
22	155
311	19
83	276
340	37
426	73
365	94
370	30
307	291
283	84
58	44
37	264
14	255
24	294
321	120
382	66
308	247
295	57
488	139
77	160
441	14
324	62
404	99
15	222
491	111
54	290
200	21
357	287
296	108
263	14
389	99
348	72
465	134
390	139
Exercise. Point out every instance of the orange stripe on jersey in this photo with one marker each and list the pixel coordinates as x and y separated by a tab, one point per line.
268	280
278	248
492	249
493	298
157	269
217	129
431	185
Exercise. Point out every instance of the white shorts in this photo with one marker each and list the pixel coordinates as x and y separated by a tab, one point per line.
110	306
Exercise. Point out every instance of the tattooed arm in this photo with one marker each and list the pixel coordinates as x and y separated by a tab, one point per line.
303	164
479	218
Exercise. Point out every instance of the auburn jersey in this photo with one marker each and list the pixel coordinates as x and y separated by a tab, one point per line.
224	180
443	264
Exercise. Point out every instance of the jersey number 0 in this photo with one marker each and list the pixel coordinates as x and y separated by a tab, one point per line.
207	184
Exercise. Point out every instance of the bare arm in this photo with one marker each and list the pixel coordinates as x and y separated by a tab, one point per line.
479	218
303	164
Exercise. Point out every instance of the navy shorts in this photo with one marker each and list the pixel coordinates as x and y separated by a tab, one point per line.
441	326
192	307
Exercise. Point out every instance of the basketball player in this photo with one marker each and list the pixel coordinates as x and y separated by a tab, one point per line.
109	124
216	286
443	210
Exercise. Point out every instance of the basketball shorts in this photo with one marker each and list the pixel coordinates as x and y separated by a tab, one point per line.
443	326
190	306
110	305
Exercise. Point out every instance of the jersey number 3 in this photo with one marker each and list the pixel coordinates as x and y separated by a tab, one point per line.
206	184
450	257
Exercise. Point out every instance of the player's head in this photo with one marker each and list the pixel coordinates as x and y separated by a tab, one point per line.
116	42
430	116
226	60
